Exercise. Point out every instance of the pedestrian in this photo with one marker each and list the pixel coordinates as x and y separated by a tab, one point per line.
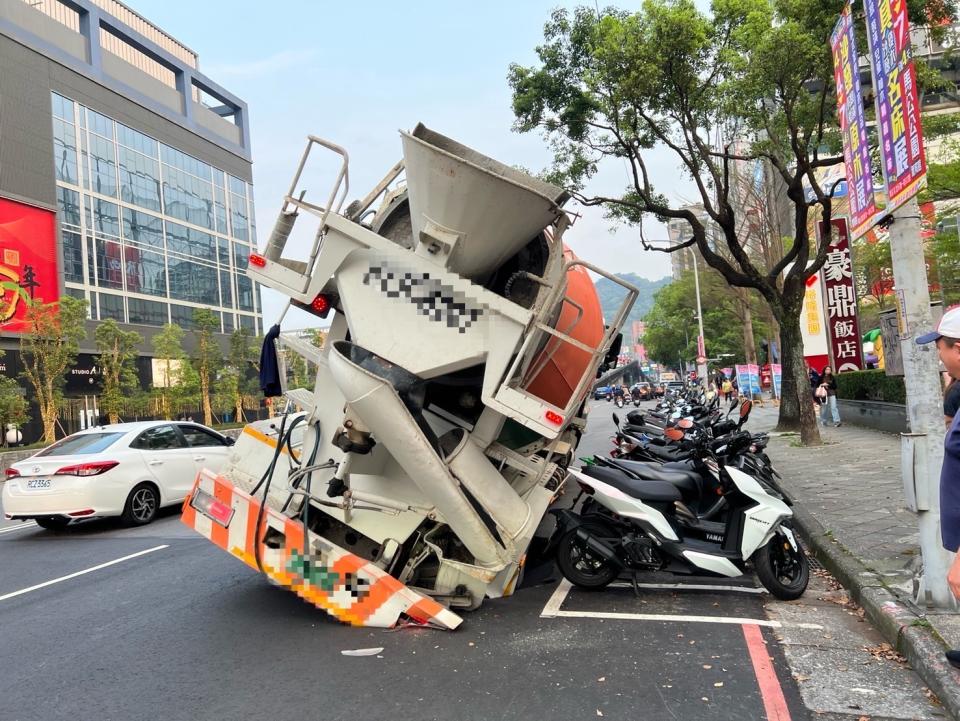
947	338
727	388
827	393
951	401
736	387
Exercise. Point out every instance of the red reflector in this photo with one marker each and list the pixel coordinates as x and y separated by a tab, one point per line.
212	508
11	472
257	260
320	304
87	512
554	417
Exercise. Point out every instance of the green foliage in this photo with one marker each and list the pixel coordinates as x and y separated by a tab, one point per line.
611	296
672	326
48	349
873	385
14	409
208	358
178	382
236	382
118	350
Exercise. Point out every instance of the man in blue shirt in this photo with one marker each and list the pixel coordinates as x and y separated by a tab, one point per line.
947	338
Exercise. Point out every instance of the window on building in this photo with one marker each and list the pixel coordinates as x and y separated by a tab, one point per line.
146	272
100	124
147	312
195	282
226	289
187	197
72	256
228	323
244	293
139	179
104	216
109	264
143	229
189	242
68	203
137	141
103	166
65	152
62	107
247	323
111	306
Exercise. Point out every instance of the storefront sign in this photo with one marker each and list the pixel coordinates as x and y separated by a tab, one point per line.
28	262
898	110
843	328
813	331
853	125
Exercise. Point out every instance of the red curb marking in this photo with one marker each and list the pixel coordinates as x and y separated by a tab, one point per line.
774	703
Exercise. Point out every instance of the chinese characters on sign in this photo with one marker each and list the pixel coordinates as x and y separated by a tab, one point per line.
28	262
853	126
841	300
898	111
777	370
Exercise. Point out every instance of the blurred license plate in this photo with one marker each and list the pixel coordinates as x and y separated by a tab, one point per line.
39	483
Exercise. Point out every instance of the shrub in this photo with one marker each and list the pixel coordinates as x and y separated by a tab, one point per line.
873	385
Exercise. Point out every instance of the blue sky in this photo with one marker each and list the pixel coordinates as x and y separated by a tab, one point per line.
356	72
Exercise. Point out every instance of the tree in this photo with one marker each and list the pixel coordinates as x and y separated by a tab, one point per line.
208	357
168	352
48	349
14	409
671	325
118	349
615	85
234	383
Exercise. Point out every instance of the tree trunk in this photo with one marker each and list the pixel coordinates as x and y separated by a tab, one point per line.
48	412
114	417
239	417
796	405
205	393
749	342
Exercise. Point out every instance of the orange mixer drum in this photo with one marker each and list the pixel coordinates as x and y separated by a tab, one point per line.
565	364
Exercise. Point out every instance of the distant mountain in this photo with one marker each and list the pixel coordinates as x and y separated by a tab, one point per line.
611	295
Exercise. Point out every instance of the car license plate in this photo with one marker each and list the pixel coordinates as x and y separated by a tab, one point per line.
39	483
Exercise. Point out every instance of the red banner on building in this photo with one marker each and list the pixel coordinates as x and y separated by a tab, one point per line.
28	262
840	300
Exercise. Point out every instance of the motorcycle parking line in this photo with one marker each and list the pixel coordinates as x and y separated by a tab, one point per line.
553	609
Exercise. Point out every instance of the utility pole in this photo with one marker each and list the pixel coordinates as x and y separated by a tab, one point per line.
924	399
701	346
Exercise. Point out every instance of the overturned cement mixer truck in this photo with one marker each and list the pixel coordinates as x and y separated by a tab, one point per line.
449	394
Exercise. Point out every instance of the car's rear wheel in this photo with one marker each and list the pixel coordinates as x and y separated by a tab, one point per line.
142	505
53	523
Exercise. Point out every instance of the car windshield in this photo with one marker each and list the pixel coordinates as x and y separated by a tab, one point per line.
81	444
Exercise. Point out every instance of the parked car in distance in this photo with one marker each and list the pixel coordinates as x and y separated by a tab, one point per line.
602	392
646	393
129	470
673	387
658	390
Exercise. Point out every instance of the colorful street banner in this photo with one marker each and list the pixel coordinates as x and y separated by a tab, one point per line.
748	379
754	372
843	329
898	110
853	125
28	262
777	370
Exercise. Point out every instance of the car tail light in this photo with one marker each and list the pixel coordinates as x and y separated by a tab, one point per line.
95	468
11	473
85	512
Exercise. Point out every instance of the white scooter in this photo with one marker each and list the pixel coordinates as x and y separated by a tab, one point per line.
628	525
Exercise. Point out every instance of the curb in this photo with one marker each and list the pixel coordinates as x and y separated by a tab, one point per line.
903	629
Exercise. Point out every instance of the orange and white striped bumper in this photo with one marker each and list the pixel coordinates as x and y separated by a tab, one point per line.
344	585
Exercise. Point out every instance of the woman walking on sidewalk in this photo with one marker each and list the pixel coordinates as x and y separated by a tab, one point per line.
827	393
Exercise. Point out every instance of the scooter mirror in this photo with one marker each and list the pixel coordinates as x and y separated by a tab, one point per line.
674	434
616	420
745	409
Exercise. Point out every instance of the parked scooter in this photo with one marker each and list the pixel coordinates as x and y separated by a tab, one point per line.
629	524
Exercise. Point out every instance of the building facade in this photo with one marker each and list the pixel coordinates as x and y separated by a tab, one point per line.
125	176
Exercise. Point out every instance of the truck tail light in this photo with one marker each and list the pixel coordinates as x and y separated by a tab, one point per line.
257	260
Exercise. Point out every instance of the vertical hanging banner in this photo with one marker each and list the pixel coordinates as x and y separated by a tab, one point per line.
898	110
843	329
853	125
777	370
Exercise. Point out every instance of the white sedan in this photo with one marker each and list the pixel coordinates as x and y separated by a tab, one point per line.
127	469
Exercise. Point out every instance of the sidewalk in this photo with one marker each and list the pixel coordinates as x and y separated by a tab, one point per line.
850	510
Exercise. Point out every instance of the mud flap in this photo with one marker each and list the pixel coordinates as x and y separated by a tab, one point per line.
349	588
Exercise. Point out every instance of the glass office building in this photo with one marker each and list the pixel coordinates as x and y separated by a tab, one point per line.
149	233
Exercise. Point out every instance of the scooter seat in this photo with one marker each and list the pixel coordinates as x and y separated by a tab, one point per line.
685	479
644	490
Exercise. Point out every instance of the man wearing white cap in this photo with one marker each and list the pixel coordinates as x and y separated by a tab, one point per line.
947	338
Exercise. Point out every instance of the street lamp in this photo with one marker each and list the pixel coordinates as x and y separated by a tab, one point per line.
701	346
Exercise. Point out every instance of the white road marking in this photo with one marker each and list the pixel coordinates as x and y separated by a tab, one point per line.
80	573
11	529
679	619
552	608
689	587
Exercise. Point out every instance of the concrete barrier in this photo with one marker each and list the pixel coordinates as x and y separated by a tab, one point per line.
887	417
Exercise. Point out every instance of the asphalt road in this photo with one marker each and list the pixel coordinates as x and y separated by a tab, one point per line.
183	631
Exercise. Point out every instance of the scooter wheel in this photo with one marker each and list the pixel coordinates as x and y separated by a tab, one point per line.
782	570
581	566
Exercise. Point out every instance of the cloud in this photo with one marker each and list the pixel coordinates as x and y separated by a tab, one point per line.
262	67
